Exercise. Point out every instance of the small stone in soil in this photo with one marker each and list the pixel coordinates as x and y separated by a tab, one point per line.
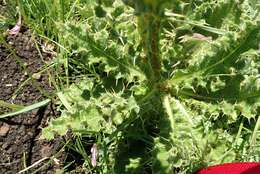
4	129
9	85
36	76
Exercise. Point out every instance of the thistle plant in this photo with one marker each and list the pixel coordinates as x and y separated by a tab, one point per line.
163	86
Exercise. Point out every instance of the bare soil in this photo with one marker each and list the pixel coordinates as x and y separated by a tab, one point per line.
20	145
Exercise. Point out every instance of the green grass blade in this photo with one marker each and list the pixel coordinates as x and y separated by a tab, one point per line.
26	109
64	101
173	16
254	135
10	106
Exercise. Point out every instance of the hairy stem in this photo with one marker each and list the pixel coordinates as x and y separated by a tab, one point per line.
149	27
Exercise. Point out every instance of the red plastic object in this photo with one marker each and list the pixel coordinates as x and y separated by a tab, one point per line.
232	168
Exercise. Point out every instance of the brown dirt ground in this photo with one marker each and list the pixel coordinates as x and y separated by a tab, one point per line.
19	136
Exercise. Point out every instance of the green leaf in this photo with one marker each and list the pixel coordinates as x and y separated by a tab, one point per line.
10	106
27	109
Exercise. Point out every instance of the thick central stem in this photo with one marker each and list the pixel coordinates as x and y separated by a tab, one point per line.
149	25
154	51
